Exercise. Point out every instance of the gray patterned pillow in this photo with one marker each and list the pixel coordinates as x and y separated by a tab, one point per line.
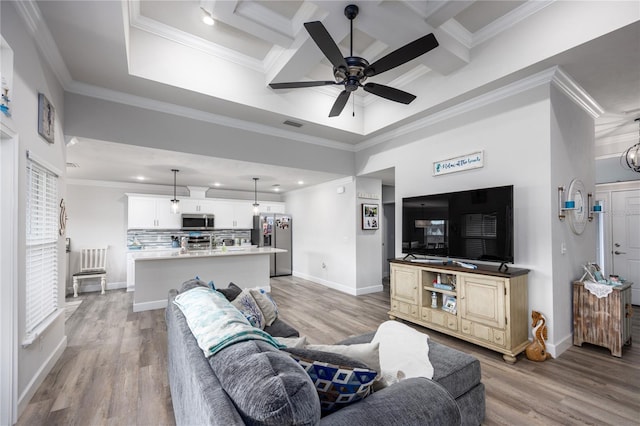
250	309
266	304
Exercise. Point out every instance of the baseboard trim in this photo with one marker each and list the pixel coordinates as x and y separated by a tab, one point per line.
149	306
564	344
326	283
93	287
369	290
42	373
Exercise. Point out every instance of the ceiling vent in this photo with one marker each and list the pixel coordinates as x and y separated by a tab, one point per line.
73	165
292	123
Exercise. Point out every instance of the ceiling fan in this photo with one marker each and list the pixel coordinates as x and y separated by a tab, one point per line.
352	71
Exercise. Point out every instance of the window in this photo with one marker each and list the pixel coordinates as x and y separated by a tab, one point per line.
41	245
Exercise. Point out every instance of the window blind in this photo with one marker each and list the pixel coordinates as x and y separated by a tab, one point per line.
41	245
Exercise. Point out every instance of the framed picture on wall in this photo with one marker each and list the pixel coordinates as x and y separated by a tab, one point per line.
46	118
370	219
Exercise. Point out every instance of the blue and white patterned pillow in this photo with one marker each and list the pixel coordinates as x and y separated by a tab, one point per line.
339	380
246	304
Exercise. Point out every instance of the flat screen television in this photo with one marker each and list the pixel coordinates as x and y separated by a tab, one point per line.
474	225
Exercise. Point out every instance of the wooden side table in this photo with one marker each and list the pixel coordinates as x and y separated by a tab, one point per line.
602	321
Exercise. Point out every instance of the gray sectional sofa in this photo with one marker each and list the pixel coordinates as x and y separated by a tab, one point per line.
253	383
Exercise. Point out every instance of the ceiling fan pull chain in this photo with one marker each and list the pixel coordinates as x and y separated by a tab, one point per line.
353	114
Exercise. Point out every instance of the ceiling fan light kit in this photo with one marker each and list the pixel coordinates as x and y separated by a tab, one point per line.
352	71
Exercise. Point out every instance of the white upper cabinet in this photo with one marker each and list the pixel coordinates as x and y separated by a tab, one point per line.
233	214
151	213
194	205
272	207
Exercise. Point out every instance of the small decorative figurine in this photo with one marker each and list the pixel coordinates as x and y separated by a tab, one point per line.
536	350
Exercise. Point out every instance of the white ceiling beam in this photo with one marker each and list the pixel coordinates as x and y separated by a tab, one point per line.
447	10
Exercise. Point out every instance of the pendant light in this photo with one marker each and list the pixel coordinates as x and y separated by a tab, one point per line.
256	206
175	203
631	157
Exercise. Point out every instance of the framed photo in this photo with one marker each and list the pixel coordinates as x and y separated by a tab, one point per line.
370	219
449	304
593	272
46	118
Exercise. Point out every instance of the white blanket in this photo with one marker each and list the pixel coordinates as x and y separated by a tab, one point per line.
216	323
404	352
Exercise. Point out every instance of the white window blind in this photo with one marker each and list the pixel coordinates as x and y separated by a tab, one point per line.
42	245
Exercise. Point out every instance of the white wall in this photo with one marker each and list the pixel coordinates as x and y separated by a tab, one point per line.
324	234
516	136
31	76
368	242
572	157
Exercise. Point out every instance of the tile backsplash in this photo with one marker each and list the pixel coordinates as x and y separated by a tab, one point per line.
151	238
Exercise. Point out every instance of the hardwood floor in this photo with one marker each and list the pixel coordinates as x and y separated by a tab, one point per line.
113	371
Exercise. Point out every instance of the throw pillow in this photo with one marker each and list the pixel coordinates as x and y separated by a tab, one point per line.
250	309
339	380
266	303
364	352
231	292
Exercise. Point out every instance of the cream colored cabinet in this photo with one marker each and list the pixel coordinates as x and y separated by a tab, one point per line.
405	291
483	306
151	213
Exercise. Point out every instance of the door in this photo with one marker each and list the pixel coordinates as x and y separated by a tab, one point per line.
625	238
481	300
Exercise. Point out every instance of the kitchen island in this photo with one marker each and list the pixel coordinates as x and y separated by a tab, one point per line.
156	272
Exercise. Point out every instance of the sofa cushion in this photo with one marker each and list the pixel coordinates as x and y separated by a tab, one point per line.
192	283
457	371
339	380
250	370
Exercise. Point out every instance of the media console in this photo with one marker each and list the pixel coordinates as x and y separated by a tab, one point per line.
486	306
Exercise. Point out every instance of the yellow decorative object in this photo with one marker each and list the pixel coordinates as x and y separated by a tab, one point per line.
536	350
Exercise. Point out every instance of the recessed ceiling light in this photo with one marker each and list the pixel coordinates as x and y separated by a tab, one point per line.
140	177
207	18
300	182
276	187
217	184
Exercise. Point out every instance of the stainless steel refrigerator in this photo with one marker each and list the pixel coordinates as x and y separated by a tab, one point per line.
274	230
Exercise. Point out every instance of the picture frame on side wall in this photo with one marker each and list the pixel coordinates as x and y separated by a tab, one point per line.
370	219
46	118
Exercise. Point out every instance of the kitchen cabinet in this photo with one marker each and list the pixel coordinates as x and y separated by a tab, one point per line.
484	306
194	205
151	213
273	207
233	214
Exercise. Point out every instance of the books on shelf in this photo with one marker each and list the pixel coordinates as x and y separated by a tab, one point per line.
444	286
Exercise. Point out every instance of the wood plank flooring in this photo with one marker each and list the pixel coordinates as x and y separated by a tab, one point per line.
113	371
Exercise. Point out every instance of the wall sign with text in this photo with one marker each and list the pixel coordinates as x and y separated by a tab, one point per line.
474	160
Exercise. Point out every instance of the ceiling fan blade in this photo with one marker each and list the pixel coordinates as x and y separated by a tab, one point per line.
321	36
389	93
297	84
402	55
339	104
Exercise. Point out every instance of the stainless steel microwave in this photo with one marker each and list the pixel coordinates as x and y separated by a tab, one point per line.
197	222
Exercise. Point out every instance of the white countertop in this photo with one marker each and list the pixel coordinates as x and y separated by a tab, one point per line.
138	255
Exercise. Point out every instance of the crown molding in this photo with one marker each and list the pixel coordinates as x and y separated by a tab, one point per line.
554	75
142	23
30	14
509	20
195	114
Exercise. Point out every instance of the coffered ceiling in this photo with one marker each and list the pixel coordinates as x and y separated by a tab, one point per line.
161	51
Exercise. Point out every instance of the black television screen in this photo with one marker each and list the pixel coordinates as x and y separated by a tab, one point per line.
475	224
